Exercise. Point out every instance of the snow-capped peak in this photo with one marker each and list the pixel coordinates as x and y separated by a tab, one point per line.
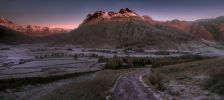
126	12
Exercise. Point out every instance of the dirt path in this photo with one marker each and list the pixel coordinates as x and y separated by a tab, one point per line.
130	87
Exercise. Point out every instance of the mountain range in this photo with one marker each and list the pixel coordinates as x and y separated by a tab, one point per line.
127	28
32	30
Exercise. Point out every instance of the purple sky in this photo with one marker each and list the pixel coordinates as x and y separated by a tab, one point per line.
70	13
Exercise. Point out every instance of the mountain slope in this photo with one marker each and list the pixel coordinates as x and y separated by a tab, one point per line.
215	27
8	36
208	29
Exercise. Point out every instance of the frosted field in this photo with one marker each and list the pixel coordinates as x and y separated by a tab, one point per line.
40	60
46	62
20	61
49	67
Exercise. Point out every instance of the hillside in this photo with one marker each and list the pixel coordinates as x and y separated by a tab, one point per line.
209	29
8	36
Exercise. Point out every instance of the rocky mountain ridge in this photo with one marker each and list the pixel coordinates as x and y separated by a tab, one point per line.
208	29
32	30
126	28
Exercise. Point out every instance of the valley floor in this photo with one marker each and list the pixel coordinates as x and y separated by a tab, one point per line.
34	73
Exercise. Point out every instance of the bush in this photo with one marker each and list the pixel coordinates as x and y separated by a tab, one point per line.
101	59
162	53
114	63
37	57
75	56
139	50
156	80
5	49
218	87
69	49
215	83
93	55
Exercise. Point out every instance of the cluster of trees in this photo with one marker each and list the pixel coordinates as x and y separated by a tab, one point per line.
124	62
103	50
65	55
50	55
117	62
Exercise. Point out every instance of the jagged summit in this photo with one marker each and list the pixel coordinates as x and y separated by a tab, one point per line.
127	10
99	15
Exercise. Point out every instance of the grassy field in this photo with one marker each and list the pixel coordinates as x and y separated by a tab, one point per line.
205	74
94	89
16	83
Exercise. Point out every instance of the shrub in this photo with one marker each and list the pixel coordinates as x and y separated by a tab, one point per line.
93	55
162	53
101	59
139	50
75	56
69	49
129	62
114	63
5	49
215	83
156	80
37	57
218	87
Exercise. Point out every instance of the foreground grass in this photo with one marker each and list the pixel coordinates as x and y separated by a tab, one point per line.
16	83
155	79
215	83
211	69
94	89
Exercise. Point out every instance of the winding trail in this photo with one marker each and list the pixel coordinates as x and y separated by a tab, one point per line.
130	87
